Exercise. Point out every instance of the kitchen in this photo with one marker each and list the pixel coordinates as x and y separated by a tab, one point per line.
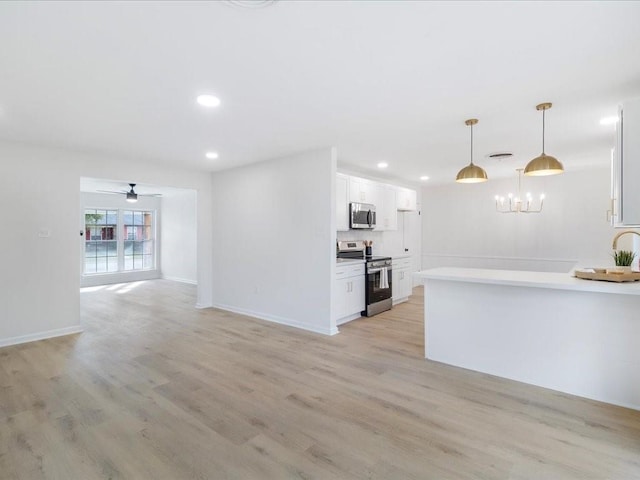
313	97
378	245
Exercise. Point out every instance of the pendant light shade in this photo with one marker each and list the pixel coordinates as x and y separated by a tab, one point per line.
471	173
543	164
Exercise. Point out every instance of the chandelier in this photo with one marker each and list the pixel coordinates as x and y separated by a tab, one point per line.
518	203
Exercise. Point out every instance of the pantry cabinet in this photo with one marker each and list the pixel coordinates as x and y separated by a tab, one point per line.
625	171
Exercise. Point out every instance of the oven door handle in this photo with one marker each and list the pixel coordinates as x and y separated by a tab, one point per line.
376	270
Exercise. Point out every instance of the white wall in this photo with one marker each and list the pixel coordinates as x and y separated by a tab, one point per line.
105	200
462	228
39	276
274	232
39	192
178	234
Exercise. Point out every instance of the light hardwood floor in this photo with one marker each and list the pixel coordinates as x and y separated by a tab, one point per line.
154	389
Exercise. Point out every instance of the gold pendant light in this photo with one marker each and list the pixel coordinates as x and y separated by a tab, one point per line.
471	173
544	164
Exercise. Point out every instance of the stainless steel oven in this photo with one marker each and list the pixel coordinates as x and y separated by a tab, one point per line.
378	288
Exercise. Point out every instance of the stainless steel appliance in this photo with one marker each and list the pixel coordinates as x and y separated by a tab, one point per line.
362	216
378	285
378	290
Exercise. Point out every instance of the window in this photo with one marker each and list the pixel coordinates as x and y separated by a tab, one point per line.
138	243
118	240
101	244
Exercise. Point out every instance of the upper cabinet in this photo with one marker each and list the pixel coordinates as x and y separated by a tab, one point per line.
387	212
388	199
362	190
626	167
407	199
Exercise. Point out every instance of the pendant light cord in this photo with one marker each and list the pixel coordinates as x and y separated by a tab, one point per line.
472	144
543	112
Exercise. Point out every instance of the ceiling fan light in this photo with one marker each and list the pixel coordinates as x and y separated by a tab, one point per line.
471	174
132	197
543	165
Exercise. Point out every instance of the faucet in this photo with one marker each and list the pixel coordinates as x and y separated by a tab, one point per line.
615	239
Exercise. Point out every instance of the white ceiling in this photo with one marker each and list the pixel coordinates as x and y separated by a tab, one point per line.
382	80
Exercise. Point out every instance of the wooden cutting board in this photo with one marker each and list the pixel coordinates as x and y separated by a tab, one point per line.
609	277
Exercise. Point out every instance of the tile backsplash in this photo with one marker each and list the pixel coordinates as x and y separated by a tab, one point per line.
384	243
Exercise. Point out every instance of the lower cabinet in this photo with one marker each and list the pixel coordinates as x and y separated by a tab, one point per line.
348	293
402	285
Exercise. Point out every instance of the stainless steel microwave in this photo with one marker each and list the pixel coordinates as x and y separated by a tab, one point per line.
362	215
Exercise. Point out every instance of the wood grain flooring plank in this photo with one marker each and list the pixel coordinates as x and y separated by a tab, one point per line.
154	388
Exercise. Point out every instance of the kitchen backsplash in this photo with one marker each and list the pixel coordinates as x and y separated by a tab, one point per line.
388	243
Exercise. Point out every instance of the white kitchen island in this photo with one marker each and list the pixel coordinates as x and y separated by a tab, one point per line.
549	329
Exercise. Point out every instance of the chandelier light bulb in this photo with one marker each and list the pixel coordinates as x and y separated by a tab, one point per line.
518	203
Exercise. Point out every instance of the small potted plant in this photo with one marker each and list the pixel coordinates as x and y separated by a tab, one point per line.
624	259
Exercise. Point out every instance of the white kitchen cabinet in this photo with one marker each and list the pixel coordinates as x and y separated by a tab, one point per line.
387	199
386	211
402	283
362	190
625	192
407	199
348	293
342	203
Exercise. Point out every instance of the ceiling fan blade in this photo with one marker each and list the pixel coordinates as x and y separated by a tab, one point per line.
110	191
149	194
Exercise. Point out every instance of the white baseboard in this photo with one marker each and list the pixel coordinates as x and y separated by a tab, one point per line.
118	277
349	318
400	300
181	280
275	319
32	337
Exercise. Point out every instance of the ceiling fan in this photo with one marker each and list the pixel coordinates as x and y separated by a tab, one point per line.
132	196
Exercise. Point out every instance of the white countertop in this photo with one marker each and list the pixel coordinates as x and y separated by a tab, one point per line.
519	278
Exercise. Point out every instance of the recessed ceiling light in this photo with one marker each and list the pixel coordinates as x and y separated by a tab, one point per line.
208	100
609	120
424	177
383	165
211	155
